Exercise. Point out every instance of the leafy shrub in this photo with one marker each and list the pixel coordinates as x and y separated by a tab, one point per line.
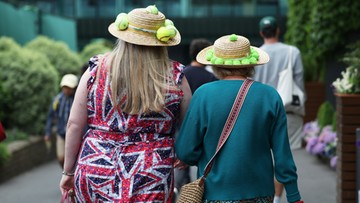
325	114
4	154
98	46
30	82
61	57
317	28
6	44
4	101
15	134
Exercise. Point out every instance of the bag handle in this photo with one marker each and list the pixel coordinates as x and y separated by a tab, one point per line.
230	122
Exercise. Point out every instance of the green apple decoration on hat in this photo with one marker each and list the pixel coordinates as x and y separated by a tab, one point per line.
122	21
168	22
166	32
152	9
236	62
209	55
163	34
233	38
172	30
228	62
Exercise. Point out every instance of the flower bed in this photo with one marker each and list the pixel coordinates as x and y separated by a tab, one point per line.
321	142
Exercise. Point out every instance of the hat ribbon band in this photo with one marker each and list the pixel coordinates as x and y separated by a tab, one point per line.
142	29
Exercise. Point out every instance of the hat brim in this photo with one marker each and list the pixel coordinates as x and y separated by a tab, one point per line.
68	84
142	38
263	58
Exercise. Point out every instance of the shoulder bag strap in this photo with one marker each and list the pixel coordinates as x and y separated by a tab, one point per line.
230	121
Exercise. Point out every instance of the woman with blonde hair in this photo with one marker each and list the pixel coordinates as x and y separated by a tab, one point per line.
132	99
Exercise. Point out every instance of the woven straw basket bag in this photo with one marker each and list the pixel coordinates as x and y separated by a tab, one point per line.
192	192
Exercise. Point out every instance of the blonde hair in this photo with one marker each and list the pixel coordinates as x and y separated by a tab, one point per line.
223	72
142	74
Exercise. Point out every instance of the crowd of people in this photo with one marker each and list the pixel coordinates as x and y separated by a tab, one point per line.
137	124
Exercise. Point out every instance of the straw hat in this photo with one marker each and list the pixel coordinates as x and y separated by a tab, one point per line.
232	51
144	26
69	80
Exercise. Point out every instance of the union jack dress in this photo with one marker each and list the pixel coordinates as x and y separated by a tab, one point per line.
126	158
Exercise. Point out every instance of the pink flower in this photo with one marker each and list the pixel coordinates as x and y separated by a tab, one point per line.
312	141
333	162
329	137
311	129
326	130
318	148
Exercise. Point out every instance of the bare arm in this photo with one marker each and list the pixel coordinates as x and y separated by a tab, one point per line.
76	124
185	87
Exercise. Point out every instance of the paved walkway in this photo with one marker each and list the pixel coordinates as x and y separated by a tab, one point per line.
317	182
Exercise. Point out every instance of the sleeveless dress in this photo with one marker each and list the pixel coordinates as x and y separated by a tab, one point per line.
126	158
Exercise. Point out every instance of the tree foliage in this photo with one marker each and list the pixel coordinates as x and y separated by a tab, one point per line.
28	82
325	114
318	28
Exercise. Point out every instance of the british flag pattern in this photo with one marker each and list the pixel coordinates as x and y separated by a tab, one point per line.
126	158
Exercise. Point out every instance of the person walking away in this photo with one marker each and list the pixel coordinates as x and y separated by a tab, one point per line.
131	98
196	73
59	111
269	74
243	171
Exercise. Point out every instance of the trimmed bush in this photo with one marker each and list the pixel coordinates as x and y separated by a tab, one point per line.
325	114
15	134
99	46
6	44
61	57
29	82
4	154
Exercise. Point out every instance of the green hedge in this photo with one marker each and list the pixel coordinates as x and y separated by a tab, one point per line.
325	114
28	81
61	57
4	154
95	47
30	76
318	28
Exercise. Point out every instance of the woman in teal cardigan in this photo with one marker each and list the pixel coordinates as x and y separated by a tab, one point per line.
258	146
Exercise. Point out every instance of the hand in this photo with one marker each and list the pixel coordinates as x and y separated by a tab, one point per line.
47	138
180	165
66	183
48	143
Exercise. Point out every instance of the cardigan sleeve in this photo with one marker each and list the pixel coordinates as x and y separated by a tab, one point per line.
285	169
188	145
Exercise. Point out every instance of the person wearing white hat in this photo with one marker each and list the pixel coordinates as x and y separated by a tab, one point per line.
59	111
243	170
132	100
